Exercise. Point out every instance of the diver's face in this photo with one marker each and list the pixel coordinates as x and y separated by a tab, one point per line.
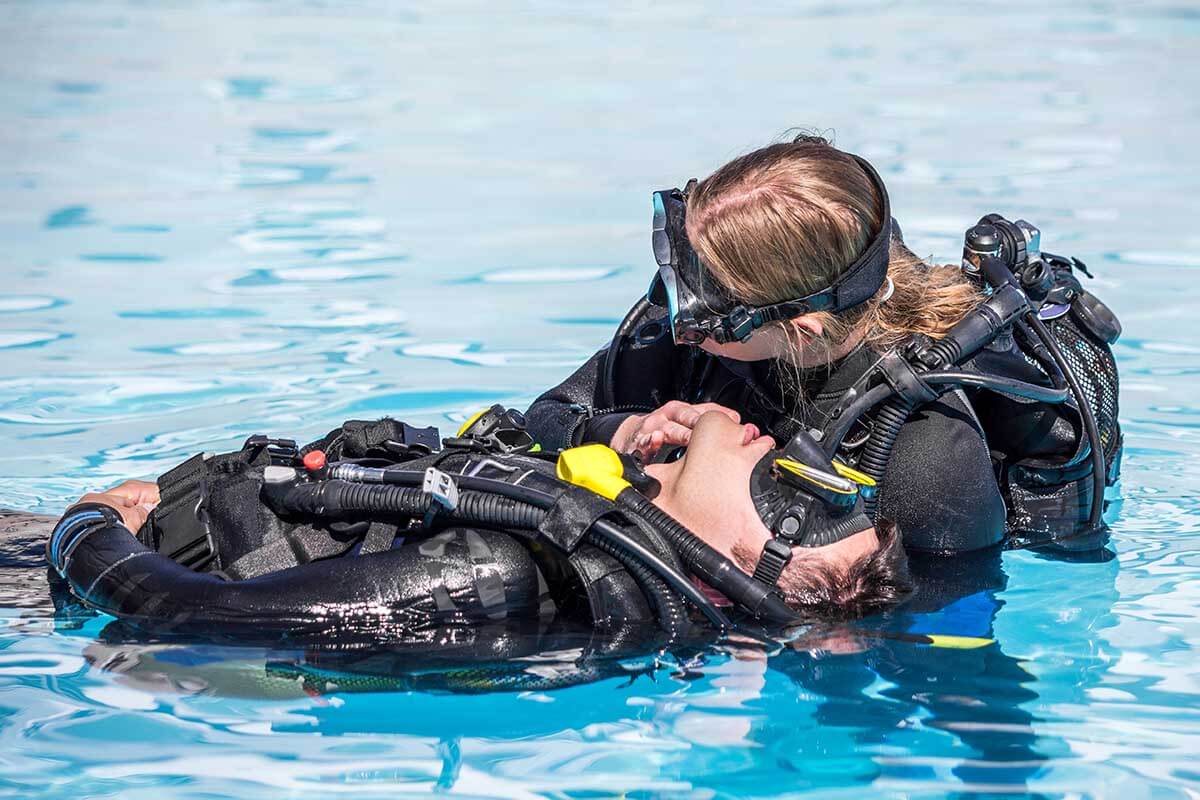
791	340
708	490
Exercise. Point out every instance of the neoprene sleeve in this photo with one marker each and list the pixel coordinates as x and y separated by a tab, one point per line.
457	575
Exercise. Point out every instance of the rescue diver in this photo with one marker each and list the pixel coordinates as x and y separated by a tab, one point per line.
783	282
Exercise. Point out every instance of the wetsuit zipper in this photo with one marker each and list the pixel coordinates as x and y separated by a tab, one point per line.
586	412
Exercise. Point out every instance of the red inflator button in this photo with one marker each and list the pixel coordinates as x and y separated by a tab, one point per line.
314	461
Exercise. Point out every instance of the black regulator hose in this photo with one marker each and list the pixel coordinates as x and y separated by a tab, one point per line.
1009	386
708	564
333	498
1099	468
488	505
608	378
671	615
878	451
980	326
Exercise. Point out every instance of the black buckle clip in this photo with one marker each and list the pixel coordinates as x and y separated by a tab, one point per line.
741	324
414	441
775	557
283	452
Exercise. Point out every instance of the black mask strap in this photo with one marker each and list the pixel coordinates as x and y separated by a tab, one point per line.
855	286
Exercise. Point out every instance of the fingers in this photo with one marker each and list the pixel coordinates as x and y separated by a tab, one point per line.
704	408
675	433
628	435
688	415
672	423
648	443
108	499
138	492
134	517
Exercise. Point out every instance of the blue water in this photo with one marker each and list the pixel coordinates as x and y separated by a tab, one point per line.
228	218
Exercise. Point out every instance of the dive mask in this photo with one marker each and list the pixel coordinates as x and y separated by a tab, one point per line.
700	308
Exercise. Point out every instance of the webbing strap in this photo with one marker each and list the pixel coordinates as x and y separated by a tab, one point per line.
575	511
378	539
287	550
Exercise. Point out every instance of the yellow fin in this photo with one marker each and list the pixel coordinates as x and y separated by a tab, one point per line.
957	642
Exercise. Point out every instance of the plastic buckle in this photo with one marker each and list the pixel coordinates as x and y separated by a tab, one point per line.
741	324
775	557
443	491
283	452
419	440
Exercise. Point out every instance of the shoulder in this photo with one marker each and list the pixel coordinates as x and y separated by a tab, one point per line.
940	486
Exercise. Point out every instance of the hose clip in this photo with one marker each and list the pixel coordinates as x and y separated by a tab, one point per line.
442	491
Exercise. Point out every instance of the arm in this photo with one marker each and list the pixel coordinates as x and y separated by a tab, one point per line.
579	410
565	415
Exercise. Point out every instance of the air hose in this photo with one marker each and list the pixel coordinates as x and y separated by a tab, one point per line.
482	501
1099	468
334	498
671	615
708	564
599	469
878	451
608	379
972	332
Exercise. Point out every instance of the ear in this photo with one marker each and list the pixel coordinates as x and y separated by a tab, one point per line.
809	326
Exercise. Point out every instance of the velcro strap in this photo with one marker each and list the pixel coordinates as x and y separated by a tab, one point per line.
573	513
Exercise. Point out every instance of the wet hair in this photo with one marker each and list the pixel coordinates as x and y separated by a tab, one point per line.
870	583
786	220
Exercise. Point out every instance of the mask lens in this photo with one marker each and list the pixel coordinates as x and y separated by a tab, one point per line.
670	292
659	239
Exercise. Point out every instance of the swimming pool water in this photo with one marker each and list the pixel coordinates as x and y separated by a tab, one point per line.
228	218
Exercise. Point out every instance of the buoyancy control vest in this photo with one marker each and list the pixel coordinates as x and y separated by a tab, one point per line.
213	518
1040	452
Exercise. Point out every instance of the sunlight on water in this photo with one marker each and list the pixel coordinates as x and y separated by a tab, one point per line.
237	218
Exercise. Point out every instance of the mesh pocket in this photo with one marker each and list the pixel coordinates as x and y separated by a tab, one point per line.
1094	367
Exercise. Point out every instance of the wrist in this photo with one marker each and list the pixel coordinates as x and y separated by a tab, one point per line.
78	521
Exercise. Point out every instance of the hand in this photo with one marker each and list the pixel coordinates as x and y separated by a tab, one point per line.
133	500
671	424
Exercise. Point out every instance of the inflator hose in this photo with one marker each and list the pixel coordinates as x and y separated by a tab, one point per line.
1099	468
708	564
489	507
878	451
672	616
609	374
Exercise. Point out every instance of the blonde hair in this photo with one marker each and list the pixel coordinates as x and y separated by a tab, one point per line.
786	220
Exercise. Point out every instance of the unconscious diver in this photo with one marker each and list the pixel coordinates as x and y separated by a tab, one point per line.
811	398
